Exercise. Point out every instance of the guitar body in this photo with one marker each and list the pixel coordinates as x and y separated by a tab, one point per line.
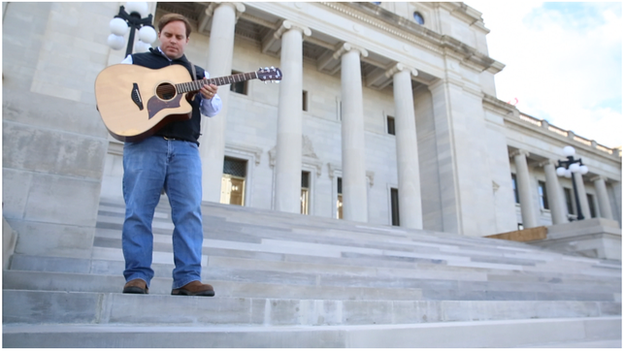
135	101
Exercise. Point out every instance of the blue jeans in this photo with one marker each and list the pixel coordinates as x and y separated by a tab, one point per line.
149	166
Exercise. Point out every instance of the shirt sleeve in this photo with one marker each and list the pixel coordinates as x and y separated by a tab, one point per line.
210	107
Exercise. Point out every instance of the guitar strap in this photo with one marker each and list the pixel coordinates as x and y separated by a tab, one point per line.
194	71
194	75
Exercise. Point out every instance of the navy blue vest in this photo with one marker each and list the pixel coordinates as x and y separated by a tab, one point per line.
185	130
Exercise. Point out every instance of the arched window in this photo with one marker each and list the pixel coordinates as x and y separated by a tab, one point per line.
419	18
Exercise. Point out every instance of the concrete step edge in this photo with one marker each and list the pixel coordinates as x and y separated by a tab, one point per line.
507	333
46	281
315	286
41	307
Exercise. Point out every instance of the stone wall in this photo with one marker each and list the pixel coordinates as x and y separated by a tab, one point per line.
53	140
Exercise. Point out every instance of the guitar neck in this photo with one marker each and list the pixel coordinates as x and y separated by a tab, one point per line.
198	84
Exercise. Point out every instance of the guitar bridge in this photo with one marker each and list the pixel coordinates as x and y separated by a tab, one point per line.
136	96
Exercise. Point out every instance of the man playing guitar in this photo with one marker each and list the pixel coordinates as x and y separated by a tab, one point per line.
169	160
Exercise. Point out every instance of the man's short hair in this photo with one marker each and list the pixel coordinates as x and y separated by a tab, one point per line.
170	17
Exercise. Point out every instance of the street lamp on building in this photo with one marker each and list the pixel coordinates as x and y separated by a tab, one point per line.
133	16
567	168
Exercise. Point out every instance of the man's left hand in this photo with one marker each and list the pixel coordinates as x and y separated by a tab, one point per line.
208	91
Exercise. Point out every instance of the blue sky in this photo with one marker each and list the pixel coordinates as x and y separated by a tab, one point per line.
563	62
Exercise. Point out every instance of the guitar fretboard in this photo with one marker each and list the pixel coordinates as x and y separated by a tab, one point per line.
198	84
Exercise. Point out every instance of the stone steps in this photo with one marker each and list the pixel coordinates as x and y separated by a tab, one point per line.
569	332
81	282
71	307
258	283
322	281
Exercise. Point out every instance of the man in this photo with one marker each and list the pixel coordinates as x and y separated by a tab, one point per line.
168	160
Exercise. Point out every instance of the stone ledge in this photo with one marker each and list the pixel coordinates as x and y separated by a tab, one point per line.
595	237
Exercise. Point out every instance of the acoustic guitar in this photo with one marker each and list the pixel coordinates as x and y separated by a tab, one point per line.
134	101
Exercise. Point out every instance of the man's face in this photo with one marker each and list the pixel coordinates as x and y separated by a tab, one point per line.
173	39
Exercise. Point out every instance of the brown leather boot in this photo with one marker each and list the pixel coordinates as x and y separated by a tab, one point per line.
136	286
194	288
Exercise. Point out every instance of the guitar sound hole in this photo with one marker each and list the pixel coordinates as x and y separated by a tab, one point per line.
166	91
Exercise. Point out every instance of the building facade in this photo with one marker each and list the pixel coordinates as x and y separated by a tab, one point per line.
386	113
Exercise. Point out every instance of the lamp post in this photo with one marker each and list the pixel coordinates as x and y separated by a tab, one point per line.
567	168
132	16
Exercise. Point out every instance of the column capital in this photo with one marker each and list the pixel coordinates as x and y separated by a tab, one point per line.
344	48
598	177
399	67
290	25
548	162
238	7
519	152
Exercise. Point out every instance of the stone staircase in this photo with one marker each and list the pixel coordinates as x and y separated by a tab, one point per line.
287	280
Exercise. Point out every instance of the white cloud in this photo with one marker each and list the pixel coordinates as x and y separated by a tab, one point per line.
564	68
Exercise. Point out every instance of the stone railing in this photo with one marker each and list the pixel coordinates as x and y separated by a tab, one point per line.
616	151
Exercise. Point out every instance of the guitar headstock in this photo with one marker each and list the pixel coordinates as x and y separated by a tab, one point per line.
271	74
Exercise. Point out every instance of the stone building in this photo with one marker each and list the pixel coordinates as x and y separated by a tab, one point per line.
387	114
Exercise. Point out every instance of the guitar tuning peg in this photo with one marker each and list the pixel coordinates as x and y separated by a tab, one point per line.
266	68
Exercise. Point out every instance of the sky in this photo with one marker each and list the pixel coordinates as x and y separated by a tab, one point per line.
563	62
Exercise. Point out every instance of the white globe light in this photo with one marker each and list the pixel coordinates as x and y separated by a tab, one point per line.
140	46
139	7
574	168
568	174
116	42
147	34
561	171
583	169
118	26
568	151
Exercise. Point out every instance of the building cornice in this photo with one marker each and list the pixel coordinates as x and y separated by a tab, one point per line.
525	123
389	22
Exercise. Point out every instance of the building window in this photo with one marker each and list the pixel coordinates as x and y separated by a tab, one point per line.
305	192
305	100
419	18
390	124
543	197
233	181
240	87
394	206
514	186
567	193
592	206
339	200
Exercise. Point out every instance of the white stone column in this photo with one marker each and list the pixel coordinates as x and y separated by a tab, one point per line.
212	140
289	115
582	194
527	206
355	202
603	198
555	195
410	206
